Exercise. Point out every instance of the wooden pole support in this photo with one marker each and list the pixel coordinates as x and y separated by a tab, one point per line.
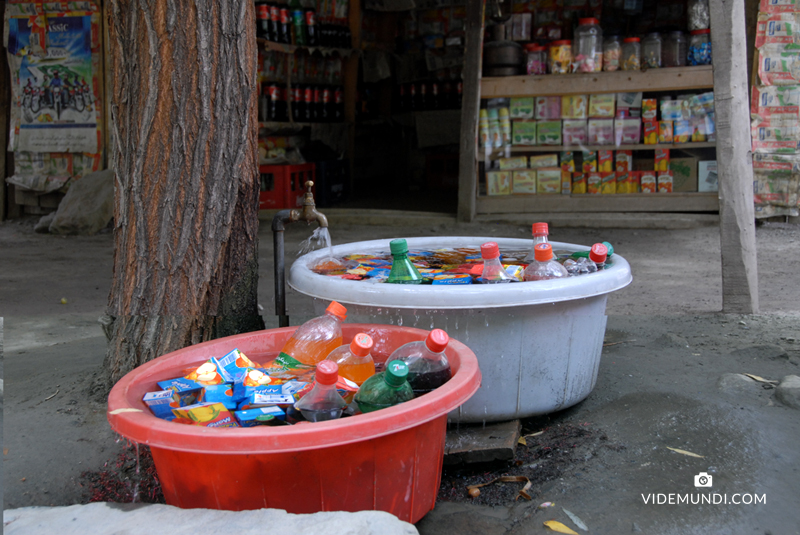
734	158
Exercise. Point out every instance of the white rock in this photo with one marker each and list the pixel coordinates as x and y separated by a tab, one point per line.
788	392
130	519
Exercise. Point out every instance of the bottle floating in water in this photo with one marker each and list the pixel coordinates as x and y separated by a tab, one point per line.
323	402
385	389
493	271
354	359
540	233
544	266
427	364
403	271
313	340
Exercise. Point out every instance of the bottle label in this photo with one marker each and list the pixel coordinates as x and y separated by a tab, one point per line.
308	95
288	362
284	16
263	12
275	13
310	18
326	96
337	96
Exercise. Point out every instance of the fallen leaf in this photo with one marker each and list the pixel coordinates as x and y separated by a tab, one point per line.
684	452
545	505
522	441
523	437
760	379
120	411
559	527
474	492
23	479
577	521
5	451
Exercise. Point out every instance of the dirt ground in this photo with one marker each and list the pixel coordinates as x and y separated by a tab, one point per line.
657	385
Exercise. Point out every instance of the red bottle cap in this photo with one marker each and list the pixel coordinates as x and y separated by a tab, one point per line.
327	372
490	250
534	47
700	32
631	40
337	310
598	253
588	21
562	42
540	228
543	252
361	345
437	340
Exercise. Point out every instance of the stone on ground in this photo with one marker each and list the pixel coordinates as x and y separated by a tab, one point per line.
735	383
788	392
481	443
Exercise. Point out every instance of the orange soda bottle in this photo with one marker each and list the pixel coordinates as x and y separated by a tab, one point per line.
313	340
354	359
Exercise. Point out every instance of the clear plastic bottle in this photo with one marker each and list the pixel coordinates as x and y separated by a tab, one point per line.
385	389
698	14
651	50
699	48
403	271
537	58
540	232
313	340
493	271
612	50
587	48
427	364
559	57
631	54
673	53
323	402
544	265
354	359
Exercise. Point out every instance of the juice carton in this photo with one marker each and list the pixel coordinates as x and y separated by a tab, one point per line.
190	391
665	131
266	396
161	403
235	363
210	372
601	131
523	133
650	132
623	179
514	271
578	183
698	127
624	161
605	161
602	106
574	107
633	181
548	180
566	182
662	160
521	108
574	131
647	181
428	273
252	380
524	182
627	131
517	162
665	181
206	415
671	110
498	183
223	393
608	183
593	183
260	416
452	278
568	161
589	162
546	160
548	108
548	133
649	109
682	132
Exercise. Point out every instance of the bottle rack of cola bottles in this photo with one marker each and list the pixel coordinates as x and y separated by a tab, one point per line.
292	24
306	103
429	95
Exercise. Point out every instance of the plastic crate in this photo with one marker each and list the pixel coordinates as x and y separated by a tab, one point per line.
332	182
296	178
283	186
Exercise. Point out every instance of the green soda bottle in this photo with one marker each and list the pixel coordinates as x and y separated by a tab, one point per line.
385	389
403	271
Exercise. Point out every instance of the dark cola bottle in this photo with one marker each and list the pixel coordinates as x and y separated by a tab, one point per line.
262	20
412	97
311	27
274	23
435	102
274	96
285	26
298	105
338	104
317	103
422	96
308	101
327	105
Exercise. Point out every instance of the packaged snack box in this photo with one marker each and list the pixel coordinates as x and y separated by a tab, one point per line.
589	162
548	180
521	108
707	179
684	174
623	179
602	106
698	127
665	182
161	403
235	363
259	416
649	109
182	386
546	160
671	110
223	393
566	182
452	278
498	183
574	107
578	183
206	415
548	133
601	131
650	132
210	373
682	132
631	101
605	161
575	132
627	131
662	160
568	161
608	183
518	162
593	183
548	108
633	181
647	181
524	182
515	272
523	133
624	161
665	132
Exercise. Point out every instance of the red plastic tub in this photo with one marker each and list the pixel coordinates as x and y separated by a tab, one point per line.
389	460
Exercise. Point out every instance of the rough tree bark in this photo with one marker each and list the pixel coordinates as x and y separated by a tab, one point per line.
184	95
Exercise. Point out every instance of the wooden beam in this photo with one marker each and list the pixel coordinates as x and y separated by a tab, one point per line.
734	158
470	105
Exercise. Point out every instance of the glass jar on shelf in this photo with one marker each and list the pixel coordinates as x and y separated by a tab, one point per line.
651	51
699	47
673	52
698	14
560	56
587	48
612	49
537	58
631	59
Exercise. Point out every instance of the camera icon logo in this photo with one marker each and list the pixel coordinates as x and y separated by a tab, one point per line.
703	480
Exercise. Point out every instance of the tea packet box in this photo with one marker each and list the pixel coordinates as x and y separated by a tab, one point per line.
623	181
593	183
589	164
602	105
548	108
523	133
498	183
649	109
671	110
665	181
517	162
521	108
259	416
545	160
608	183
627	131
574	132
548	133
624	161
665	132
578	183
650	132
206	415
566	182
574	107
605	161
647	181
567	159
524	182
661	162
601	131
548	180
681	131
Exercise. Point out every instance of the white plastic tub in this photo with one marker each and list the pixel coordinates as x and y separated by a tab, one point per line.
538	343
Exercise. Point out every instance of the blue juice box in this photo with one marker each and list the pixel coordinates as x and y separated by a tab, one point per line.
259	416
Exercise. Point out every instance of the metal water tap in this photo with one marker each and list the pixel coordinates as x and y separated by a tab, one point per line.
309	212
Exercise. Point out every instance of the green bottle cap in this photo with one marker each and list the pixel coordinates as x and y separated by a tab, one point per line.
609	247
399	246
396	372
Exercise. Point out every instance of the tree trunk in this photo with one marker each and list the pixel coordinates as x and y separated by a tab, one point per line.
184	95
